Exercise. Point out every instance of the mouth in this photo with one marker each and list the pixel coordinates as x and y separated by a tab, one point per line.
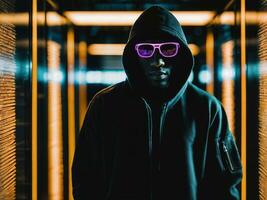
158	76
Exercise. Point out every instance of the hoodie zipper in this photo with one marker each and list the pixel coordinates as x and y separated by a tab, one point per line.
150	136
150	129
162	120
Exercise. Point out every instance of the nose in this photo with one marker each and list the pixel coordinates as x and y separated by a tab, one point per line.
157	60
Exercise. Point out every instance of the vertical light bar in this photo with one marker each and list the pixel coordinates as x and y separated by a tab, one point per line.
34	101
55	138
243	101
7	105
262	112
210	60
228	99
71	103
82	82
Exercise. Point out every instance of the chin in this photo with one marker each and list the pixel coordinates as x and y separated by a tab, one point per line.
160	85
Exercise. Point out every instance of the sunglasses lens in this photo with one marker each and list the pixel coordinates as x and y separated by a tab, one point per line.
169	50
145	50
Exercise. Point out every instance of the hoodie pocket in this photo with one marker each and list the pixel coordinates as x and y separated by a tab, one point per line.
229	155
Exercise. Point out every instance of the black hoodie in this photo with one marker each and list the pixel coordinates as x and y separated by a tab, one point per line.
138	143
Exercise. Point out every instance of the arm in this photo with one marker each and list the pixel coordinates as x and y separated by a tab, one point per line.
224	170
86	175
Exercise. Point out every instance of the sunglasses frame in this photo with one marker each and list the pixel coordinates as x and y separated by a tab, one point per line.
157	46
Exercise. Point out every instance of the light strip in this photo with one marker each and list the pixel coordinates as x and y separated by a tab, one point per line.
117	49
34	101
228	82
71	104
194	49
127	18
53	4
8	104
54	19
22	19
243	101
210	60
105	77
262	110
82	86
204	76
252	18
106	49
55	137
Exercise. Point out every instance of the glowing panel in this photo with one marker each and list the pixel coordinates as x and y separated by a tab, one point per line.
106	49
22	19
34	101
117	49
105	77
228	82
204	76
82	84
194	49
210	61
262	114
55	138
127	18
7	108
71	104
243	100
252	18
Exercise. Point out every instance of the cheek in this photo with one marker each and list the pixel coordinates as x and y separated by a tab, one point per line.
171	65
171	61
143	64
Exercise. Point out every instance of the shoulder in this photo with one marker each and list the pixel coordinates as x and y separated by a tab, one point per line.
200	93
114	91
209	108
204	102
106	97
112	97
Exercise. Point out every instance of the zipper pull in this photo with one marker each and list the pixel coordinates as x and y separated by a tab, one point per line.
228	156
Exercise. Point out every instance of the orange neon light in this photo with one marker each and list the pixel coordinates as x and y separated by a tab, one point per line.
71	104
243	101
127	18
228	82
34	101
55	138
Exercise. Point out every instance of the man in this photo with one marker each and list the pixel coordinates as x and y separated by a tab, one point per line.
156	136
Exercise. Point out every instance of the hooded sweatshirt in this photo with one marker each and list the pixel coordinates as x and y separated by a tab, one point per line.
142	143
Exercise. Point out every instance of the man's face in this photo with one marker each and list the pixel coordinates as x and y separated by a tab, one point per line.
158	66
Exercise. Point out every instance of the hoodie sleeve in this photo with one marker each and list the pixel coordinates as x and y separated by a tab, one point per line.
223	164
86	175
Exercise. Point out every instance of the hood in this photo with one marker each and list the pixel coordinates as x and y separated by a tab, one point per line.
157	22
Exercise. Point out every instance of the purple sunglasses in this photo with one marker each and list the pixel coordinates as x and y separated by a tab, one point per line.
166	49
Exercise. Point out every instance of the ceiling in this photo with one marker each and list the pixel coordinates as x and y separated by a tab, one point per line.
119	34
180	5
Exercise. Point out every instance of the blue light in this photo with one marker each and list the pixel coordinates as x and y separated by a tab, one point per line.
204	76
7	65
105	77
228	73
53	75
80	77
